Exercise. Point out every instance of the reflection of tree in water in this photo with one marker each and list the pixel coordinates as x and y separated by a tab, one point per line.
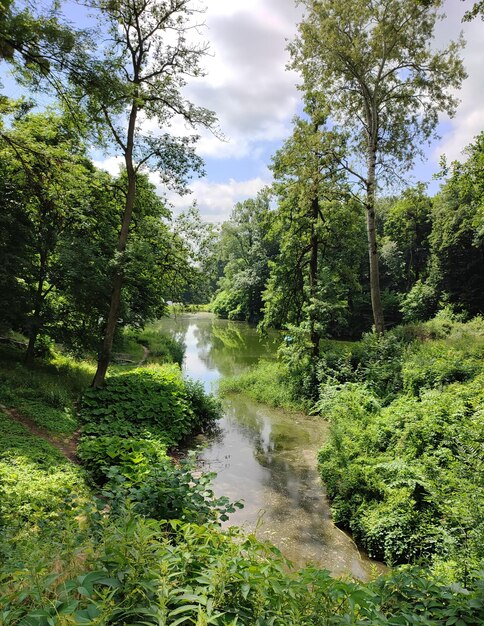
236	346
295	488
223	345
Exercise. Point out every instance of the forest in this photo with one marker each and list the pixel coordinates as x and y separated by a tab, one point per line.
370	288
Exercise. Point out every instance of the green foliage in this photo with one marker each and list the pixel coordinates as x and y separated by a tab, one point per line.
191	574
133	457
229	305
154	399
46	393
407	478
457	239
266	382
419	303
38	485
162	348
246	251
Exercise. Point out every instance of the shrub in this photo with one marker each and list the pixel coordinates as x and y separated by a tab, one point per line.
407	479
152	400
133	457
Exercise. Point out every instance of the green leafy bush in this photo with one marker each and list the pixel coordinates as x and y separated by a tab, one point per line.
408	479
191	574
134	457
150	400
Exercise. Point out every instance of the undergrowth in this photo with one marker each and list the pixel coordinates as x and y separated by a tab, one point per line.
266	382
405	471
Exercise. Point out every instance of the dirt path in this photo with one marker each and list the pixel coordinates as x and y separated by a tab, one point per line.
67	447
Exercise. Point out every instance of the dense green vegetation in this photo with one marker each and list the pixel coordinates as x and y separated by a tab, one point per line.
98	523
404	469
70	557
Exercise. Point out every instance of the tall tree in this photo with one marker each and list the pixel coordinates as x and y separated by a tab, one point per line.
139	80
48	169
372	63
311	186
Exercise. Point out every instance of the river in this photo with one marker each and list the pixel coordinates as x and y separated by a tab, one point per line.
265	456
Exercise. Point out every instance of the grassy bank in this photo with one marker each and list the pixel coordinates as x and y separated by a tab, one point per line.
266	382
405	463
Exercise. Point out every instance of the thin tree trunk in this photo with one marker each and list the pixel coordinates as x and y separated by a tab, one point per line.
37	312
112	319
313	278
372	244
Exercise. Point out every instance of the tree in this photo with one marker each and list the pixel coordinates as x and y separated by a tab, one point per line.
407	227
43	48
48	169
313	195
457	238
372	65
141	78
246	252
477	9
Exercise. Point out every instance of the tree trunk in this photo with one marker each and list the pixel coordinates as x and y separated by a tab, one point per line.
38	305
313	278
112	319
372	244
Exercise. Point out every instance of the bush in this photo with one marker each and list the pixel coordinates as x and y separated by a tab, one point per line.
191	574
150	400
134	457
408	479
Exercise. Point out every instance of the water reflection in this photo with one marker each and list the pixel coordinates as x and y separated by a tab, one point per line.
264	456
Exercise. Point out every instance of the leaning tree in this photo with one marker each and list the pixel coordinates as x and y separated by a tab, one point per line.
135	92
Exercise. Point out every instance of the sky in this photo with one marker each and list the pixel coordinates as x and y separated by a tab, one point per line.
255	99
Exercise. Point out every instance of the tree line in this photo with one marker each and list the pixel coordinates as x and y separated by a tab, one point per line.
330	248
84	253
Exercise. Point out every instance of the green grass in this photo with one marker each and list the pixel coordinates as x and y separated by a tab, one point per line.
162	348
266	383
37	482
47	392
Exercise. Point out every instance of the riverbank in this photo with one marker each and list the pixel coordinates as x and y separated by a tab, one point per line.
403	460
70	558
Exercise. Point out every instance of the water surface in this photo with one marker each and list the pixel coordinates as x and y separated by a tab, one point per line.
264	456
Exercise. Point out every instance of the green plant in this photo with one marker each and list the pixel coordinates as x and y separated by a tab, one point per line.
153	400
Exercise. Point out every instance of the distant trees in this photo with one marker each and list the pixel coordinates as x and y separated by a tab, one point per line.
457	238
246	253
372	66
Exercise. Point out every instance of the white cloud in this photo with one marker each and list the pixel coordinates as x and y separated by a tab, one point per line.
246	81
469	118
110	164
216	200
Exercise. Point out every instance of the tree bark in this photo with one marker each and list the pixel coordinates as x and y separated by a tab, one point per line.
313	278
37	312
104	356
372	243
